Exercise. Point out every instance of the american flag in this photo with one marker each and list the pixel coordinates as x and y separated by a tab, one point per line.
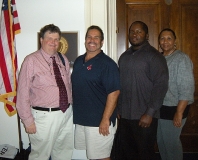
9	27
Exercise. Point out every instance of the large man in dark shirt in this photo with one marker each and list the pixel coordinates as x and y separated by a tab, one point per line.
144	82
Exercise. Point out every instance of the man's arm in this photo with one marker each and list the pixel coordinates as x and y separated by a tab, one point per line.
109	108
23	102
159	76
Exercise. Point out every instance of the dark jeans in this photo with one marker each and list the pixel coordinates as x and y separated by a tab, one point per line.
138	143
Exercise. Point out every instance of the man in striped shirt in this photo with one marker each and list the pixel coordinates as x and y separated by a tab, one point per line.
50	130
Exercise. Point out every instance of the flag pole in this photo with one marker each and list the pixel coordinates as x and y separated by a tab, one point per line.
19	133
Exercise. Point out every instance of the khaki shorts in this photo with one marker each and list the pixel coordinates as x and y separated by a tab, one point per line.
96	145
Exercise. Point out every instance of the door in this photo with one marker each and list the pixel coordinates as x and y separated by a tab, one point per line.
182	17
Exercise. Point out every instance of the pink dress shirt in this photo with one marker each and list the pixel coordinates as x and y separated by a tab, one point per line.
37	85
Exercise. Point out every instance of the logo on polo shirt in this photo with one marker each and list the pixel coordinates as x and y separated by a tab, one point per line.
89	67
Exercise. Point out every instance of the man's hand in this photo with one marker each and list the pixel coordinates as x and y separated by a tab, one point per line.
104	127
31	129
145	121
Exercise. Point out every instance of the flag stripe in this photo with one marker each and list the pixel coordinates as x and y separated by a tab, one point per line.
7	51
5	74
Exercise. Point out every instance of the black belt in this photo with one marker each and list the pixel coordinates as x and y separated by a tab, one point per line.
45	109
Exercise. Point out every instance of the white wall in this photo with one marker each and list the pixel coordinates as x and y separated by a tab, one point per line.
69	15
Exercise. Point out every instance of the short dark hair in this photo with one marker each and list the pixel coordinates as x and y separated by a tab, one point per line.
50	27
97	28
144	26
169	30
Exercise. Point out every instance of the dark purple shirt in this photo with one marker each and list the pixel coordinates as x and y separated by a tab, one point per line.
144	82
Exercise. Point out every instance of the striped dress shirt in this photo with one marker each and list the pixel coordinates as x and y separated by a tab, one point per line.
37	84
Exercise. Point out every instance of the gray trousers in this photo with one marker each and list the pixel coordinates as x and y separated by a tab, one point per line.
168	140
